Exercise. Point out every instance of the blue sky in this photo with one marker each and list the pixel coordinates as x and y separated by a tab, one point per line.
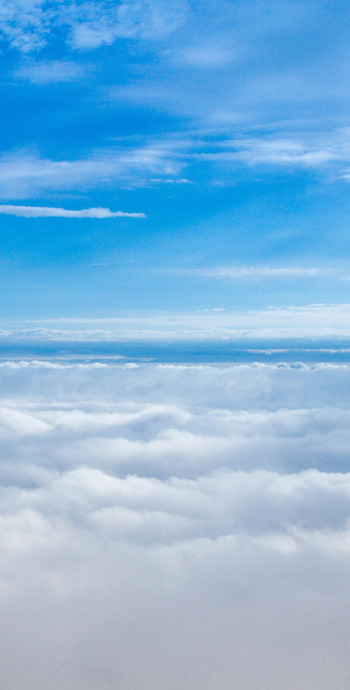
212	138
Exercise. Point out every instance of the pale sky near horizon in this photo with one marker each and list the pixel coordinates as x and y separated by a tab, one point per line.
173	157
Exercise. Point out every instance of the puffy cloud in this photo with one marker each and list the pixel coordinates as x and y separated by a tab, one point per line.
171	526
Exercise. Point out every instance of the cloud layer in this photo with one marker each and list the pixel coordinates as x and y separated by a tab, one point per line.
168	526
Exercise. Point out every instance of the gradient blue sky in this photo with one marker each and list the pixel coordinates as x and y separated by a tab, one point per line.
225	123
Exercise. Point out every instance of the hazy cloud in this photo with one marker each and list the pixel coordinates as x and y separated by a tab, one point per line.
302	150
52	71
25	24
95	24
317	321
28	24
255	272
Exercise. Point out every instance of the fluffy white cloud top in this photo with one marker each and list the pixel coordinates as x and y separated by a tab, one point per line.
173	527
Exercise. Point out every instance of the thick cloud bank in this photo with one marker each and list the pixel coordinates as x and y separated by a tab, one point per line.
168	527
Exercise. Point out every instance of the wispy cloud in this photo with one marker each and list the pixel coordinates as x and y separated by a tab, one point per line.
255	272
204	56
163	160
47	212
181	180
285	152
93	24
312	150
27	26
51	71
160	160
25	173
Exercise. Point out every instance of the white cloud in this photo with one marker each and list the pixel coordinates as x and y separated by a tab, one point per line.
27	24
24	174
302	150
181	180
255	272
95	24
286	152
163	522
46	212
